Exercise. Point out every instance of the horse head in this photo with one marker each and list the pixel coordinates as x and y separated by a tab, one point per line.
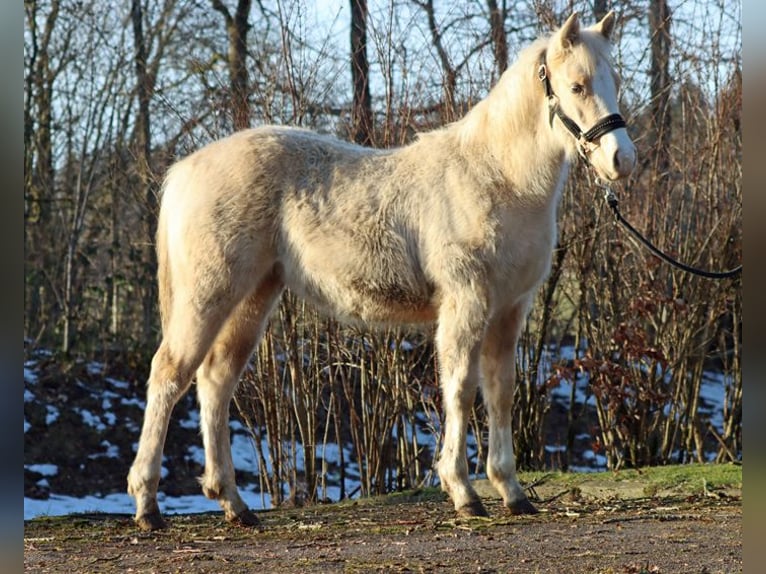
581	86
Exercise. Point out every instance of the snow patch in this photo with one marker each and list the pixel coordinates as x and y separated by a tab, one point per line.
52	414
117	384
29	375
192	422
90	419
44	469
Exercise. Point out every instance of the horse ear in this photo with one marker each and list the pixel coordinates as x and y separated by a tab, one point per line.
606	26
569	34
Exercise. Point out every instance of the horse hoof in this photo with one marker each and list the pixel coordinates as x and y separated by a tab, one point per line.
151	521
522	506
245	518
472	510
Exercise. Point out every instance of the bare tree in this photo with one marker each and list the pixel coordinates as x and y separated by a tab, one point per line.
38	95
361	109
497	16
659	75
82	178
449	82
143	155
149	49
236	30
39	173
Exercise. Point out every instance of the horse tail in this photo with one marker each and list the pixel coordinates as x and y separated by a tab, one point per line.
164	279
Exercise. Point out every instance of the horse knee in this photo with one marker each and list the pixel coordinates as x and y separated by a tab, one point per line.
170	378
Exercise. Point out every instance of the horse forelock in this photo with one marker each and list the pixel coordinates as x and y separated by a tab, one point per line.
591	49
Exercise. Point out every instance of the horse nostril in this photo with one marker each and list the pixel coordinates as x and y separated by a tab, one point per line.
623	162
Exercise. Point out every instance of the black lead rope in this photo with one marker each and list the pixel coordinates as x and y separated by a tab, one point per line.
613	202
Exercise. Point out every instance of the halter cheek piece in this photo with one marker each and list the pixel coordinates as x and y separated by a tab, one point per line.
586	141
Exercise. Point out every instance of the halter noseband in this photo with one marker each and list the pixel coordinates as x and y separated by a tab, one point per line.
586	141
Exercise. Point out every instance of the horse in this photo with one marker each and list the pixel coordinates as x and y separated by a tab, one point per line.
456	228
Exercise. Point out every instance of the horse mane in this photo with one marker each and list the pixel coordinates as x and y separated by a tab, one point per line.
502	131
511	93
509	127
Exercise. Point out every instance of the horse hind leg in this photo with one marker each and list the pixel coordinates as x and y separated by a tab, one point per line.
186	340
217	378
190	327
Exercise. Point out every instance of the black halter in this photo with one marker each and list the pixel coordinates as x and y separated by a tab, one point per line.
585	140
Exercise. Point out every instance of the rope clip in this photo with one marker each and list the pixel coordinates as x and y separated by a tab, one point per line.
609	195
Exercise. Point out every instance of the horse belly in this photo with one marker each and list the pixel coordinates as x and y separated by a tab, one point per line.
384	300
356	283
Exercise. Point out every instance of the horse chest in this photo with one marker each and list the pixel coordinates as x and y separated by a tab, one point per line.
524	248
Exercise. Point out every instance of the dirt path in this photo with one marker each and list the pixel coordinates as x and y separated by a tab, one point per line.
574	533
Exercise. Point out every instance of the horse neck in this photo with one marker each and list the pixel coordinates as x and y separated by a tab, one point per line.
510	129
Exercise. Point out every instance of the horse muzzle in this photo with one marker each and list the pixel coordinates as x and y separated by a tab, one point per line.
614	157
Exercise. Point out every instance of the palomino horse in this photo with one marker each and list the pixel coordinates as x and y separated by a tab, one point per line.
458	228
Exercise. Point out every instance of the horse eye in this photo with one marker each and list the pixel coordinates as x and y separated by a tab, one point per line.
576	89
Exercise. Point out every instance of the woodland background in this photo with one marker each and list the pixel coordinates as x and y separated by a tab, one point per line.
115	92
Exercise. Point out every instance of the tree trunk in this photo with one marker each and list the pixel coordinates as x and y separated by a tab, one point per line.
449	85
659	27
497	30
600	9
236	30
142	146
38	166
361	113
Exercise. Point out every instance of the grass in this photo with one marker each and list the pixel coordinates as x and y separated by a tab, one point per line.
685	479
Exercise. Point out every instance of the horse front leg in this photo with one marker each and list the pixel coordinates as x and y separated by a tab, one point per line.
498	361
458	336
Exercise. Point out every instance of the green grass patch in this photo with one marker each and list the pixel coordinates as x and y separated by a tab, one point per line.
682	477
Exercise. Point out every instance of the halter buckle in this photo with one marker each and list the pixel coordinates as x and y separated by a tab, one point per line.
542	75
553	106
585	146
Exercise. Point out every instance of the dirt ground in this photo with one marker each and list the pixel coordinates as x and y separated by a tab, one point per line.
595	529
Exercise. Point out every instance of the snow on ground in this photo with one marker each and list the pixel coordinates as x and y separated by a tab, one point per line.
713	392
244	456
117	503
243	453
